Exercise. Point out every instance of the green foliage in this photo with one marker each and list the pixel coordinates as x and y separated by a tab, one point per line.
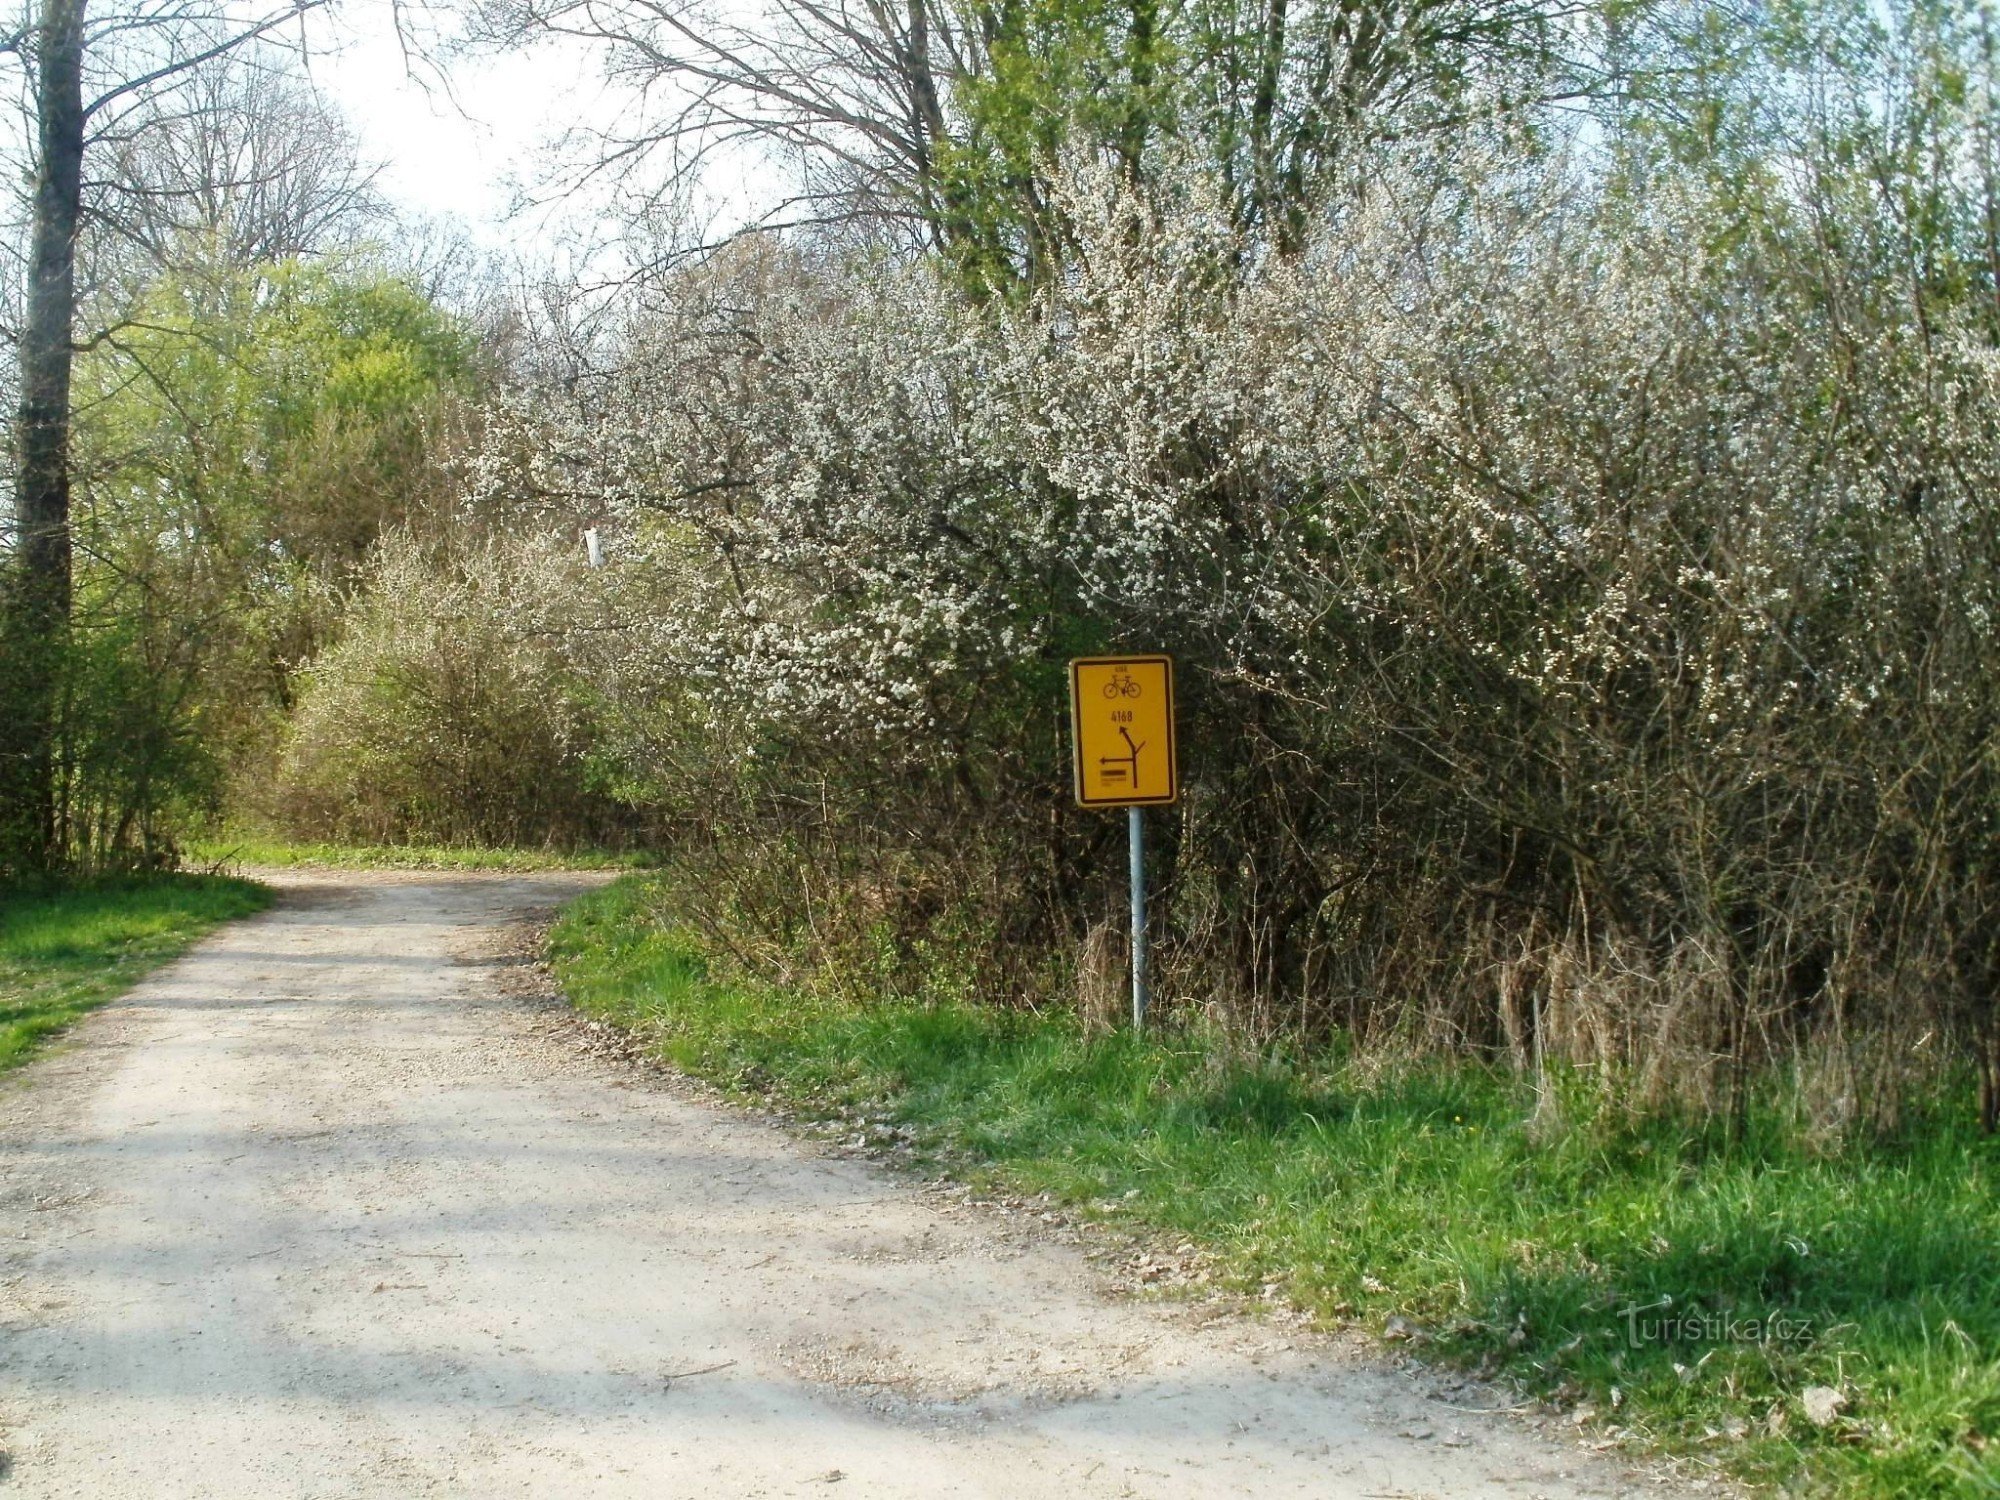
241	442
1271	101
445	714
1061	75
66	949
271	419
1679	1280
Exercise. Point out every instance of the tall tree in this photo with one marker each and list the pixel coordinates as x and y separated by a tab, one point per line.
85	76
945	117
37	598
248	161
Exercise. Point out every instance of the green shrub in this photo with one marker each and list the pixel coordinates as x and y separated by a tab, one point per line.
445	714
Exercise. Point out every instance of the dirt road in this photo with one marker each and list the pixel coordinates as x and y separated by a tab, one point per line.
326	1209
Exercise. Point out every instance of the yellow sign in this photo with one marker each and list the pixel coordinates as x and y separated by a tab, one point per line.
1121	711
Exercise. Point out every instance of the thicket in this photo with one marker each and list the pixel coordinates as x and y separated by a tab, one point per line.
242	439
446	711
146	145
1578	547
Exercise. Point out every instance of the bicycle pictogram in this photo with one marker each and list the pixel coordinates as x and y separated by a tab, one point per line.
1121	685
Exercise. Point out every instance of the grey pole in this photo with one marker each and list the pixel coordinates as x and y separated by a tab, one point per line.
1137	828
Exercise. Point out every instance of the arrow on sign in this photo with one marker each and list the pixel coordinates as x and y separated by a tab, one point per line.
1118	767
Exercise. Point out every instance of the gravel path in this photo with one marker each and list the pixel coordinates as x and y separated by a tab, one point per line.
334	1206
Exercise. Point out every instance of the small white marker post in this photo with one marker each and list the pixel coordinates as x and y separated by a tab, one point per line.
593	547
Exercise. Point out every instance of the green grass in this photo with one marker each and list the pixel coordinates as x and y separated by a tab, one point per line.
258	852
1422	1191
65	950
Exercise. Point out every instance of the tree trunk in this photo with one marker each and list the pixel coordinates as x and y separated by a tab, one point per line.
37	599
1263	112
1143	68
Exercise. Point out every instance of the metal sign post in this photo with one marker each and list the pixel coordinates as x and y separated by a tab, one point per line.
1136	829
1122	731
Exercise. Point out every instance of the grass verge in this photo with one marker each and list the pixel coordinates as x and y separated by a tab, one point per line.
67	949
1663	1283
252	853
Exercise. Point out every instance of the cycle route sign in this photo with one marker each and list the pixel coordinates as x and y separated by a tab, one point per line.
1122	727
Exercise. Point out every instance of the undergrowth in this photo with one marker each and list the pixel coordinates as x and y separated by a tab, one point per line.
254	852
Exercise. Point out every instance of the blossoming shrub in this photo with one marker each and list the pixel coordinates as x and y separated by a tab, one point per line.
1580	598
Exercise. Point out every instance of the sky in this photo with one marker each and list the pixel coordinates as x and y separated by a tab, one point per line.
466	153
